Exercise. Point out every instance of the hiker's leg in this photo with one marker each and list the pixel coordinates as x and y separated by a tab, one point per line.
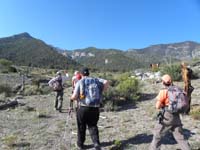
159	131
56	100
81	125
178	135
92	120
60	100
190	90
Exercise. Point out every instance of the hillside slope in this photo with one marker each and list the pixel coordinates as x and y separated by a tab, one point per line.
112	59
22	49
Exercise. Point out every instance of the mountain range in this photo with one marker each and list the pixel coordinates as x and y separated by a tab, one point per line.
112	59
24	49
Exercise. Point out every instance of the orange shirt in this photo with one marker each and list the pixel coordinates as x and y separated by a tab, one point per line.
162	99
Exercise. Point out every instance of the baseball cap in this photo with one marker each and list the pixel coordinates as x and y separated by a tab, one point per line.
166	79
85	71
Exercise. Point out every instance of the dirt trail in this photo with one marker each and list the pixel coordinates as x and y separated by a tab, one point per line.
37	126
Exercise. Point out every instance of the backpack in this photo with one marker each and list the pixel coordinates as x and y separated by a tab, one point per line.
57	85
91	91
178	100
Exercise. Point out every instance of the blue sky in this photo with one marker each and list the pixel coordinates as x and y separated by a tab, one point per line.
119	24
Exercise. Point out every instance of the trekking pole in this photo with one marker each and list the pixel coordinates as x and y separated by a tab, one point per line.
69	124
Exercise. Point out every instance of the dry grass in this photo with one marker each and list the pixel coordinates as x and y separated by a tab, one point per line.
195	112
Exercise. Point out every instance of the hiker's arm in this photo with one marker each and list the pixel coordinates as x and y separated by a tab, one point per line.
74	97
76	92
106	84
161	99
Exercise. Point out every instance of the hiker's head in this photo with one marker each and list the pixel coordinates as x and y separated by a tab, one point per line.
76	72
58	73
78	76
166	80
85	72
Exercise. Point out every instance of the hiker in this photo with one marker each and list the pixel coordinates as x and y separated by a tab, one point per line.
186	76
168	121
75	79
88	92
57	84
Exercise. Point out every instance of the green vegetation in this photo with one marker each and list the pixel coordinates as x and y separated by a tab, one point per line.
10	140
123	89
195	112
128	87
6	66
25	50
174	70
22	49
6	89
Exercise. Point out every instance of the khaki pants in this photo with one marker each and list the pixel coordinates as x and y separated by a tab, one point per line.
170	123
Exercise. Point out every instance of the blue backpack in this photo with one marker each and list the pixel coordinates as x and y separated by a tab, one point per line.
91	91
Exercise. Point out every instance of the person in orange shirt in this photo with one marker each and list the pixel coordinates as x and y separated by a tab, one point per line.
169	122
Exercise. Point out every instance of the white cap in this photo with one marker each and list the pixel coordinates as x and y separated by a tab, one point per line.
58	73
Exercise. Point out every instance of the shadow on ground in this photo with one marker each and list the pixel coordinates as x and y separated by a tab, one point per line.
147	96
145	138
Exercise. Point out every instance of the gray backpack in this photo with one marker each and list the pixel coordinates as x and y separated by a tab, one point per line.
57	85
178	100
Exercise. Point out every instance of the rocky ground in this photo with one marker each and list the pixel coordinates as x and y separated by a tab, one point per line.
35	125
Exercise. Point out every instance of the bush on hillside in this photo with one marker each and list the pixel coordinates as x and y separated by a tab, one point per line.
173	70
122	90
128	88
196	74
35	90
6	66
6	89
195	112
5	62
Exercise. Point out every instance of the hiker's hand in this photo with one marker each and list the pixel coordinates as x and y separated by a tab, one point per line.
73	97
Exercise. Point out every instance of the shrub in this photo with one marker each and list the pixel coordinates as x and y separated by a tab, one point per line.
196	74
5	62
109	98
128	87
123	89
173	70
12	69
10	140
5	88
195	112
6	66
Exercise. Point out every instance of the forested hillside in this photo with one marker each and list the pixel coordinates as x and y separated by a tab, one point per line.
22	49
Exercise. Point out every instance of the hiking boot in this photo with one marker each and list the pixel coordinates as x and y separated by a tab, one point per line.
97	147
80	147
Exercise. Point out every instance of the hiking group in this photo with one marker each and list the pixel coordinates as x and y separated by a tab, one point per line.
87	91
